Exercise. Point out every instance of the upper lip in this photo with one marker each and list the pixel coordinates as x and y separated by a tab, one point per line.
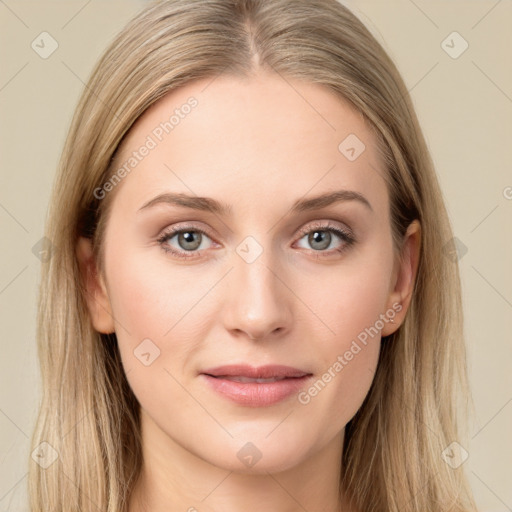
260	372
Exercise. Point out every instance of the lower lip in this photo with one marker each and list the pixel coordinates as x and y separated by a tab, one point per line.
257	394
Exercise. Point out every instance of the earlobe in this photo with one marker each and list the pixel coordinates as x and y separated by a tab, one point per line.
406	272
94	289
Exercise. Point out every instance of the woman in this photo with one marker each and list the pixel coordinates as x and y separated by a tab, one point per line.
249	303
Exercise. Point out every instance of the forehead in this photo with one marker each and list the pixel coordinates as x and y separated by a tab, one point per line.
259	136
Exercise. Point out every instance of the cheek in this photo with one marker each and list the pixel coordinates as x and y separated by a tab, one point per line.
349	359
349	298
153	306
336	395
158	322
148	298
351	304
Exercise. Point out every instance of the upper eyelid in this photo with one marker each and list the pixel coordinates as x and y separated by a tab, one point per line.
325	224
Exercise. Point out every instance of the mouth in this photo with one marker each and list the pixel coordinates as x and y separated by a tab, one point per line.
256	386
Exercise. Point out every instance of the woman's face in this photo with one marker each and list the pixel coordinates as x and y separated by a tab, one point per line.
259	281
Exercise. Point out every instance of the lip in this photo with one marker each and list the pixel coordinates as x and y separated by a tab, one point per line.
256	394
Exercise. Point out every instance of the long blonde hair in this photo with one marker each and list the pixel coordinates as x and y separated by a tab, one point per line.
392	456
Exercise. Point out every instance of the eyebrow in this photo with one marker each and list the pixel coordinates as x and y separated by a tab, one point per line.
214	206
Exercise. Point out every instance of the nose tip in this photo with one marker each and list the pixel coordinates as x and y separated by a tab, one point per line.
257	304
258	322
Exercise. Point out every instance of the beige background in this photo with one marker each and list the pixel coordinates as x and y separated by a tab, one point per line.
464	106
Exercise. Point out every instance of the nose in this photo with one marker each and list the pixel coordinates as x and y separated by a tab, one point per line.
258	304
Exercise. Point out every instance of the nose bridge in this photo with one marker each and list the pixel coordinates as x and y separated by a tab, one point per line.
258	302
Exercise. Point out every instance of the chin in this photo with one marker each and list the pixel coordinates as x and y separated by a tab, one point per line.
260	455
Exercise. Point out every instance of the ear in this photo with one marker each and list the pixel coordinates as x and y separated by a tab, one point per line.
94	287
404	276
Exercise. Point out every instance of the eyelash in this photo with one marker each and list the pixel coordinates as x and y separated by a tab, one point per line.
346	236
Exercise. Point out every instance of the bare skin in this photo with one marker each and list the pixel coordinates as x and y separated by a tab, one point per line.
258	146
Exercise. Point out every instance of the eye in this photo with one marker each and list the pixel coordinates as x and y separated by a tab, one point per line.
188	239
320	236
